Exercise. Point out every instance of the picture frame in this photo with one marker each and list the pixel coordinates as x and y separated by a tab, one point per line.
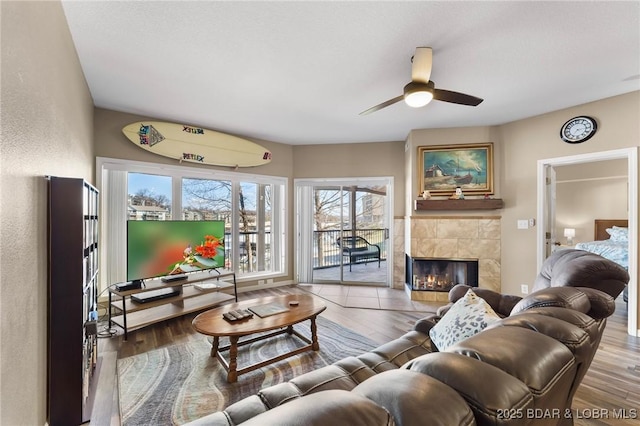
443	168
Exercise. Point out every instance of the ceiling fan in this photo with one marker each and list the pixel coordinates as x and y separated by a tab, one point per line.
420	91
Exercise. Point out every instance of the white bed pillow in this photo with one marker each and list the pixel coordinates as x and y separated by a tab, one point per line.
618	234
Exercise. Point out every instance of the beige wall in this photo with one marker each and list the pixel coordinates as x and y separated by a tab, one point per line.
354	160
527	141
47	115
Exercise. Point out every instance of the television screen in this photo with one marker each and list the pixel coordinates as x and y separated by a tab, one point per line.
173	247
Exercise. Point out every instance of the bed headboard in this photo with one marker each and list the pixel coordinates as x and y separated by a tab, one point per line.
601	225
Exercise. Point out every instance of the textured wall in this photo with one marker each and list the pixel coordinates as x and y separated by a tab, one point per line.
46	130
537	138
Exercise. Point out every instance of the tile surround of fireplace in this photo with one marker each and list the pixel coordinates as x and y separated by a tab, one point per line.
454	237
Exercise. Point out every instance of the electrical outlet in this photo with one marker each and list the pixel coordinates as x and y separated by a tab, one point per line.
260	282
524	289
269	280
532	223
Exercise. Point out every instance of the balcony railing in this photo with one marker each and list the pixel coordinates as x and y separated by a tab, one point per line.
326	251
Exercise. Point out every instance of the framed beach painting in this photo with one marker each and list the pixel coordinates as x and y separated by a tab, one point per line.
443	168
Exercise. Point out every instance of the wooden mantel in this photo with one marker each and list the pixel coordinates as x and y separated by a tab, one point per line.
465	204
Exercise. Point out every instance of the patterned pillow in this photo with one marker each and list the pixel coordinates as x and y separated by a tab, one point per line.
618	234
468	316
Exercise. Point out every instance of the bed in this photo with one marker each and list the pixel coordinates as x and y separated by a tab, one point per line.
611	241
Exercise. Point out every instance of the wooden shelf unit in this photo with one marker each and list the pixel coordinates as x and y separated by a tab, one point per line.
72	357
133	316
464	204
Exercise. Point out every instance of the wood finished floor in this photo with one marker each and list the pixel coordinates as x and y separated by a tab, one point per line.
612	383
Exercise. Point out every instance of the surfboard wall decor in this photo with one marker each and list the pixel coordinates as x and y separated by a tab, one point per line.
195	144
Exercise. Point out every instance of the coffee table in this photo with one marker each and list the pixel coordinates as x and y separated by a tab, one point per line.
212	323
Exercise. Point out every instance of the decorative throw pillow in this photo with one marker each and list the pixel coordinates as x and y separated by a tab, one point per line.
618	234
468	316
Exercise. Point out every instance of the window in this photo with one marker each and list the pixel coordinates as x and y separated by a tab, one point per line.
254	227
252	207
148	197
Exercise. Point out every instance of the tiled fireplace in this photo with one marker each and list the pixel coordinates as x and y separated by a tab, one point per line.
440	274
461	238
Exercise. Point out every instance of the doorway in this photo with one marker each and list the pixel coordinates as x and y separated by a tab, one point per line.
546	206
343	228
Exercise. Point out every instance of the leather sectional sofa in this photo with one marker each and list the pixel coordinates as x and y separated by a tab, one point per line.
521	369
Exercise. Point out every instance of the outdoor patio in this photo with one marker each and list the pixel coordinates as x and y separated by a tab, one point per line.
361	273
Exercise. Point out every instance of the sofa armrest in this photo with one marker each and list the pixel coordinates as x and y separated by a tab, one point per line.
502	304
425	324
602	304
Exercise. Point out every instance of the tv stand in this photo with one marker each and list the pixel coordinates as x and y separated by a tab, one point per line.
172	278
133	315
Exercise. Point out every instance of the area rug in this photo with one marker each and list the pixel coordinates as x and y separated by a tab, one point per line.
182	382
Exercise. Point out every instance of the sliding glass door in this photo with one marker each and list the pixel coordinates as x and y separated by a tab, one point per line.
344	228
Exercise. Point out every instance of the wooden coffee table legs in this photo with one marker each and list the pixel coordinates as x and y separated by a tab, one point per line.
314	335
232	366
232	371
214	345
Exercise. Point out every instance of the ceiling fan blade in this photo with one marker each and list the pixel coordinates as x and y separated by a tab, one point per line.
421	66
383	105
456	97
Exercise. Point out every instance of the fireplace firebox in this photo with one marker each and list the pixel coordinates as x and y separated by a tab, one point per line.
434	274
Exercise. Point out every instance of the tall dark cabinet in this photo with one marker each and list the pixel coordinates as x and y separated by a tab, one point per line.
72	313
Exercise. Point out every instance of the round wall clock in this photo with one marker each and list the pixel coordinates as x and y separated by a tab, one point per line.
578	129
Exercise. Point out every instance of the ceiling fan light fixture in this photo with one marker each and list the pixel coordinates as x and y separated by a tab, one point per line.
417	95
418	99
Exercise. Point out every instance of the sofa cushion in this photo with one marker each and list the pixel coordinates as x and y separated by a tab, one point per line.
579	268
343	375
334	406
471	378
562	297
545	365
575	338
467	317
234	414
397	352
412	397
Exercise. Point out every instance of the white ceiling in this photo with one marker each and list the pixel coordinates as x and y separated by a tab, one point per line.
301	72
